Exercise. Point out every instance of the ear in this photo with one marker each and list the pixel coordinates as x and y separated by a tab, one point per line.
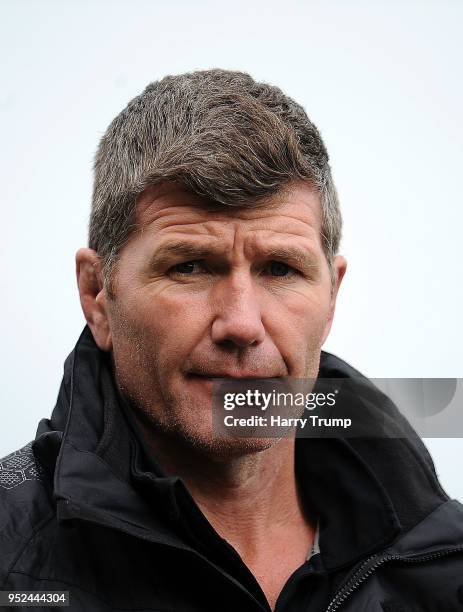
339	269
93	297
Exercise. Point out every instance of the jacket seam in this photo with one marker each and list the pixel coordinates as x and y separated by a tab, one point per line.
100	460
68	421
404	534
41	525
51	579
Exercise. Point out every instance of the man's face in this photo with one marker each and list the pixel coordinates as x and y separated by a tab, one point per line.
206	293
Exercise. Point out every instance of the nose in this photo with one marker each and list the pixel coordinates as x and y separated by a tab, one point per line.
238	317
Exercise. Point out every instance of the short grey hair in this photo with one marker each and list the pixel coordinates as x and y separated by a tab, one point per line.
221	135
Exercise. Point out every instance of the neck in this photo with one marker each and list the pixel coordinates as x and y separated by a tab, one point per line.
247	499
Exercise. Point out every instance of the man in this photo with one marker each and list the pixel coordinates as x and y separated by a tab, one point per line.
212	254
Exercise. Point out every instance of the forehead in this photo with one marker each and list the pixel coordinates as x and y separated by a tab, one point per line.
168	207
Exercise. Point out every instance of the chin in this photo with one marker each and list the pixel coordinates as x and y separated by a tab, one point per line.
229	448
188	422
196	431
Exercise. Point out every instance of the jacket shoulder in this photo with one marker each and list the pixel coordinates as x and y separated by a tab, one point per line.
25	503
18	467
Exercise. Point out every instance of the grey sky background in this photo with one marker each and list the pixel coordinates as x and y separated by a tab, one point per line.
382	81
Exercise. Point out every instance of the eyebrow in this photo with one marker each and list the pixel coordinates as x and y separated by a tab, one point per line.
167	252
305	258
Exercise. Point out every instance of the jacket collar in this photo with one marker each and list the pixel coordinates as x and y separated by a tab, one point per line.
356	515
102	475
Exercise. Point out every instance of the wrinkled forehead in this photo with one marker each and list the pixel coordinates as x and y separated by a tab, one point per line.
296	203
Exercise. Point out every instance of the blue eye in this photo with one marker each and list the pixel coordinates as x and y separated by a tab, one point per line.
274	268
187	267
278	268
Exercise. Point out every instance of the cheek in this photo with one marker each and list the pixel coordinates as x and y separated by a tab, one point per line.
296	325
166	326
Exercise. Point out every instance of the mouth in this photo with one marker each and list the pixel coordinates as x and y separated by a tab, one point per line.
229	376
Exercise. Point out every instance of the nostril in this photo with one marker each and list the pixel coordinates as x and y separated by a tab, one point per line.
460	594
242	334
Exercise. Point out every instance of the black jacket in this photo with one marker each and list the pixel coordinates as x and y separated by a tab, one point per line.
85	509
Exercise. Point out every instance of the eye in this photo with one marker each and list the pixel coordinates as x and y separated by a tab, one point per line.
278	268
186	268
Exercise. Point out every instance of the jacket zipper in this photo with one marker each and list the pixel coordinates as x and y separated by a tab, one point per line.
357	580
